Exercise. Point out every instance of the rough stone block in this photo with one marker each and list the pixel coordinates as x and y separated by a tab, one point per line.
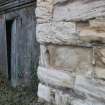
71	58
44	3
100	57
43	15
93	35
77	10
57	33
51	95
100	72
44	61
91	88
62	99
97	23
81	25
44	92
55	77
44	11
86	102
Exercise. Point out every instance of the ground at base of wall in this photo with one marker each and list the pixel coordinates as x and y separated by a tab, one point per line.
9	96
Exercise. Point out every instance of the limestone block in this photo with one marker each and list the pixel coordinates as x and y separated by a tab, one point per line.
100	57
97	23
86	102
71	58
44	11
52	95
43	15
57	33
41	3
81	25
44	61
44	92
80	102
62	99
59	1
100	72
91	88
77	10
55	77
93	35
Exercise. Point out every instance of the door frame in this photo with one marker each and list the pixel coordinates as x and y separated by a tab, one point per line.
7	18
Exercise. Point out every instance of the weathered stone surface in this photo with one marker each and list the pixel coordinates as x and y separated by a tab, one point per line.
44	61
81	25
44	11
61	24
78	9
100	57
43	14
44	92
93	35
44	3
62	99
100	72
60	1
57	33
86	102
51	95
91	88
97	23
80	102
55	77
71	58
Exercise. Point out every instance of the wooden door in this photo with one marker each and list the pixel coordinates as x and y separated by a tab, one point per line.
23	55
20	62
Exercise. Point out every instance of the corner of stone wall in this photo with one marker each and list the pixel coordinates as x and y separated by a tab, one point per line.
72	59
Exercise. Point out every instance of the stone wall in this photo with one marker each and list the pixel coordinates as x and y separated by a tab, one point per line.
71	34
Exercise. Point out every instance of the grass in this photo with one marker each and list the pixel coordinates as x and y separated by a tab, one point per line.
18	96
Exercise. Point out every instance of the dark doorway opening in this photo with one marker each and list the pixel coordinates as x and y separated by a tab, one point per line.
8	39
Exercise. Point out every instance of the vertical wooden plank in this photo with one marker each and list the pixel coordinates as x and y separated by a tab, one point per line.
21	50
24	52
3	50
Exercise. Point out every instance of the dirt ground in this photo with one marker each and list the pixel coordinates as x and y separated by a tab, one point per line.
10	96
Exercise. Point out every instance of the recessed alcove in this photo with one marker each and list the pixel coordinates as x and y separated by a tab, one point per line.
8	39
